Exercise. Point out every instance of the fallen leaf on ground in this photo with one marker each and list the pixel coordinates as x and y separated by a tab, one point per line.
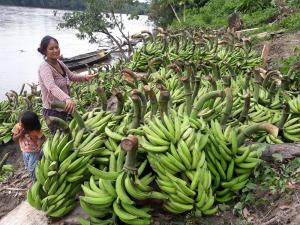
283	207
246	213
292	185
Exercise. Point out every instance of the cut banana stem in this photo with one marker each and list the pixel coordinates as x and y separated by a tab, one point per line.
136	111
129	75
164	98
188	94
130	145
153	100
75	114
196	88
244	113
57	122
119	96
247	132
143	101
101	92
284	116
229	103
199	105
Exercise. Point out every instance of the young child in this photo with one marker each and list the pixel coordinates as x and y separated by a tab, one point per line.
27	132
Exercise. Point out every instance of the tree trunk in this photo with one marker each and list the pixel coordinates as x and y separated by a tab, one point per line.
116	42
287	150
175	13
120	28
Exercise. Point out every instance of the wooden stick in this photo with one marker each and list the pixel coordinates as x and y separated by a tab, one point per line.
13	189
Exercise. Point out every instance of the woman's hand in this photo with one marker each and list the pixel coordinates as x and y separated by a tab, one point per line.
70	106
90	77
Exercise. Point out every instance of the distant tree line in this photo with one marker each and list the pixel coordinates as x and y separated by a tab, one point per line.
138	8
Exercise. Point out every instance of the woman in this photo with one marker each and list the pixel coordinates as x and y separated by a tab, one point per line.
54	80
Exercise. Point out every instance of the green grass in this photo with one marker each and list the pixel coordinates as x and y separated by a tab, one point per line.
289	23
215	14
287	63
5	172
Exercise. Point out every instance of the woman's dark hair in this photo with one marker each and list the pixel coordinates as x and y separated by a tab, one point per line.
44	44
30	121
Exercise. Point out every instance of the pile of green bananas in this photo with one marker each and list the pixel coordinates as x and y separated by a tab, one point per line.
175	152
5	132
201	99
58	174
64	165
230	163
116	192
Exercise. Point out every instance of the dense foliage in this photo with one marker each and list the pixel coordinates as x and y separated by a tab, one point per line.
266	15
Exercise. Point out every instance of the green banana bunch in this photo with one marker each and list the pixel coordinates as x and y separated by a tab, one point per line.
175	152
229	164
291	130
295	105
118	188
5	132
59	174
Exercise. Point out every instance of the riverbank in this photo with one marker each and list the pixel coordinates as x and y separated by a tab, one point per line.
22	29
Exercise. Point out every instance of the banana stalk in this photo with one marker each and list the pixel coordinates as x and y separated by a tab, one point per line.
130	145
244	113
196	88
267	78
136	111
196	109
216	71
153	101
188	94
100	90
149	33
163	103
143	101
229	104
129	77
22	89
285	83
151	64
191	73
116	92
284	116
256	91
247	81
272	90
58	122
75	114
246	133
227	81
212	81
29	104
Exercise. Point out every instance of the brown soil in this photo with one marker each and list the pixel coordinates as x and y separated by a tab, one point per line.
268	210
282	45
13	191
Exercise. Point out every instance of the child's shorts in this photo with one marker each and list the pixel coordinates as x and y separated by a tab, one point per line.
30	161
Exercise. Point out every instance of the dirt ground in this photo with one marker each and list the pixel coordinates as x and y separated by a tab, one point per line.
13	191
274	210
282	45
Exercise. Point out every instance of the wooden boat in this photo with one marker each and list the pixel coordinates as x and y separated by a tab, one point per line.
84	60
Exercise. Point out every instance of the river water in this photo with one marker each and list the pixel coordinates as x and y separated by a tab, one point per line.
22	28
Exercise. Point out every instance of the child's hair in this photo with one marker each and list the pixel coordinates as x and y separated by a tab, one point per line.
30	121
